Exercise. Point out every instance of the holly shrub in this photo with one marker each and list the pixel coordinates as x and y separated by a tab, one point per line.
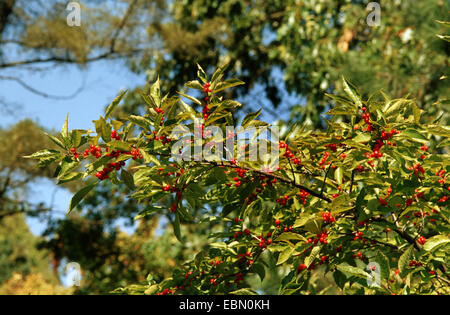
365	201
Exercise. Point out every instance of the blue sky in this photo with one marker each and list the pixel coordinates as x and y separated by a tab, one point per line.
100	82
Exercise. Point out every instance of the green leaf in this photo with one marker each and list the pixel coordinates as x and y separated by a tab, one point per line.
338	173
218	73
56	141
67	166
244	291
120	145
414	135
362	137
70	177
75	137
227	84
285	255
354	271
249	117
404	261
340	279
352	92
42	154
259	270
103	129
155	92
289	236
303	220
65	128
193	99
314	253
127	179
435	241
140	121
201	73
76	199
444	37
114	103
176	227
194	85
148	211
383	261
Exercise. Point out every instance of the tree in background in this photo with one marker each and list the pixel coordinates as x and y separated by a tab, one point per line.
307	43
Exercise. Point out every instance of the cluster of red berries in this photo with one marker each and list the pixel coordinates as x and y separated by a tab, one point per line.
74	152
321	237
366	118
417	169
263	243
421	240
173	189
160	111
415	263
241	174
358	235
245	258
206	90
162	138
383	201
282	201
277	223
380	143
239	278
179	173
333	146
216	262
323	259
114	135
419	214
443	199
441	174
324	160
425	149
303	196
165	292
104	174
288	229
327	217
359	255
289	155
93	150
418	194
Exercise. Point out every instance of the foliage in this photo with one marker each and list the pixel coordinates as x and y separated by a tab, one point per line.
372	188
290	53
19	250
32	284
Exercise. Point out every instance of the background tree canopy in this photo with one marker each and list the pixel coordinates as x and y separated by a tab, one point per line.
289	53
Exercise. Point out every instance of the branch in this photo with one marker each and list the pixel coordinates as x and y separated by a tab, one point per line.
121	26
43	94
271	175
106	55
277	177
